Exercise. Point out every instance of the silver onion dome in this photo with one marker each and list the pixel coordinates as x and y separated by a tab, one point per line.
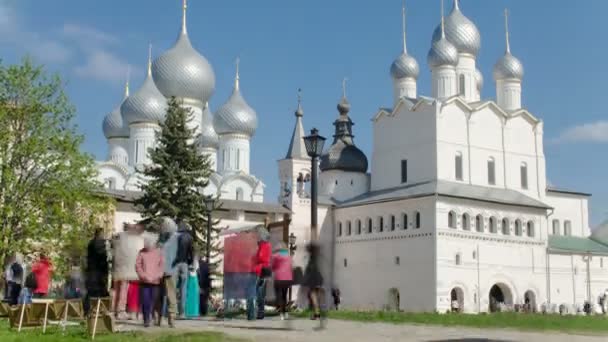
146	105
405	66
114	126
236	116
479	79
508	67
208	137
183	72
460	31
442	52
343	155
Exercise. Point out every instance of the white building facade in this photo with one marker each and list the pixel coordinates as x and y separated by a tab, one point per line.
456	212
183	73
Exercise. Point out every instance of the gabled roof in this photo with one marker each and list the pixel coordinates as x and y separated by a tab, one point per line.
447	189
576	245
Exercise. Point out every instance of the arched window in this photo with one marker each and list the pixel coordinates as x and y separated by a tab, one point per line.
458	260
458	166
479	223
462	82
392	223
518	228
555	227
405	221
349	230
452	220
339	228
239	194
567	228
418	221
370	227
111	183
506	226
358	227
530	229
380	224
523	170
493	225
491	171
466	222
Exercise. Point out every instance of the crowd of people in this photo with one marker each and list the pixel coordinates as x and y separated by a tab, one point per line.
158	275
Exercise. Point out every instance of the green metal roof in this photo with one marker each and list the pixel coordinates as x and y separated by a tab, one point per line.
576	245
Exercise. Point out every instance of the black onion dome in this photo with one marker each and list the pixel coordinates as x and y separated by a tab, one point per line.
343	155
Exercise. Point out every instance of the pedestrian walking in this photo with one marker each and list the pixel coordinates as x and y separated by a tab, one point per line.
263	272
204	284
150	267
193	293
43	270
15	278
283	277
169	247
97	269
335	293
313	281
126	248
183	261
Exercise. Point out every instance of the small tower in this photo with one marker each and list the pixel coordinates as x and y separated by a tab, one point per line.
116	132
508	74
443	59
404	70
294	169
143	112
235	123
208	139
464	35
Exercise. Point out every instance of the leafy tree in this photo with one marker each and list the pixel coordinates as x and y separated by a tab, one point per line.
176	177
48	195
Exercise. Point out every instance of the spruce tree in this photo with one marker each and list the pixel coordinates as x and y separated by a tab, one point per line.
176	177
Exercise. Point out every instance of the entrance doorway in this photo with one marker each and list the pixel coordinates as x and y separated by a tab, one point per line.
530	301
393	299
500	295
457	300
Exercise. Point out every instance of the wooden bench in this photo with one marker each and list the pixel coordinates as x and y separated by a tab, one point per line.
100	320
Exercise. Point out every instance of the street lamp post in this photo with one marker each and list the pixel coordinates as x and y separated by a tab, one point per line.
314	147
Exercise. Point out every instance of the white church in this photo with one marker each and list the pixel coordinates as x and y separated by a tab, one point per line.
182	72
456	211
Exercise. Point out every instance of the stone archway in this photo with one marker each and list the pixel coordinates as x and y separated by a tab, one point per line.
394	299
499	295
457	300
530	301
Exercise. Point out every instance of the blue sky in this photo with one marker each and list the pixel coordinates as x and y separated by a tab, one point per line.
313	45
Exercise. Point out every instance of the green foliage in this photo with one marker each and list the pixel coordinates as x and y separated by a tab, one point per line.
79	334
520	321
177	175
48	196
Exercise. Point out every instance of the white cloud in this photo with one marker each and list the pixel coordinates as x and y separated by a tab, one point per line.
595	132
14	32
88	36
103	66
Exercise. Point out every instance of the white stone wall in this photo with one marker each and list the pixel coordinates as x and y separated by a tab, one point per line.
444	82
118	151
142	137
377	262
343	185
409	135
465	75
508	94
404	87
111	176
233	154
572	208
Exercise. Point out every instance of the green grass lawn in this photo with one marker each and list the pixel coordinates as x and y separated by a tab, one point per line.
77	334
529	322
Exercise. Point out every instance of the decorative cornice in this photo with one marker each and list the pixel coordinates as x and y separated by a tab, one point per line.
473	236
357	238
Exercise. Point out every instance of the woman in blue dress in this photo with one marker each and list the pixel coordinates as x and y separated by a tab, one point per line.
192	292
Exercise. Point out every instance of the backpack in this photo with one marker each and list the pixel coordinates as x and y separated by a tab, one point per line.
31	282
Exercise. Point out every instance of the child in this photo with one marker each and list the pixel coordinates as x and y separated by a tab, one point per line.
149	267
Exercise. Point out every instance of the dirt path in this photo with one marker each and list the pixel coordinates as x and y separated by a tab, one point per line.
272	330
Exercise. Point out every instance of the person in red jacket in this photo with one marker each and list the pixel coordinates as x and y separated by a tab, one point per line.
42	269
261	267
